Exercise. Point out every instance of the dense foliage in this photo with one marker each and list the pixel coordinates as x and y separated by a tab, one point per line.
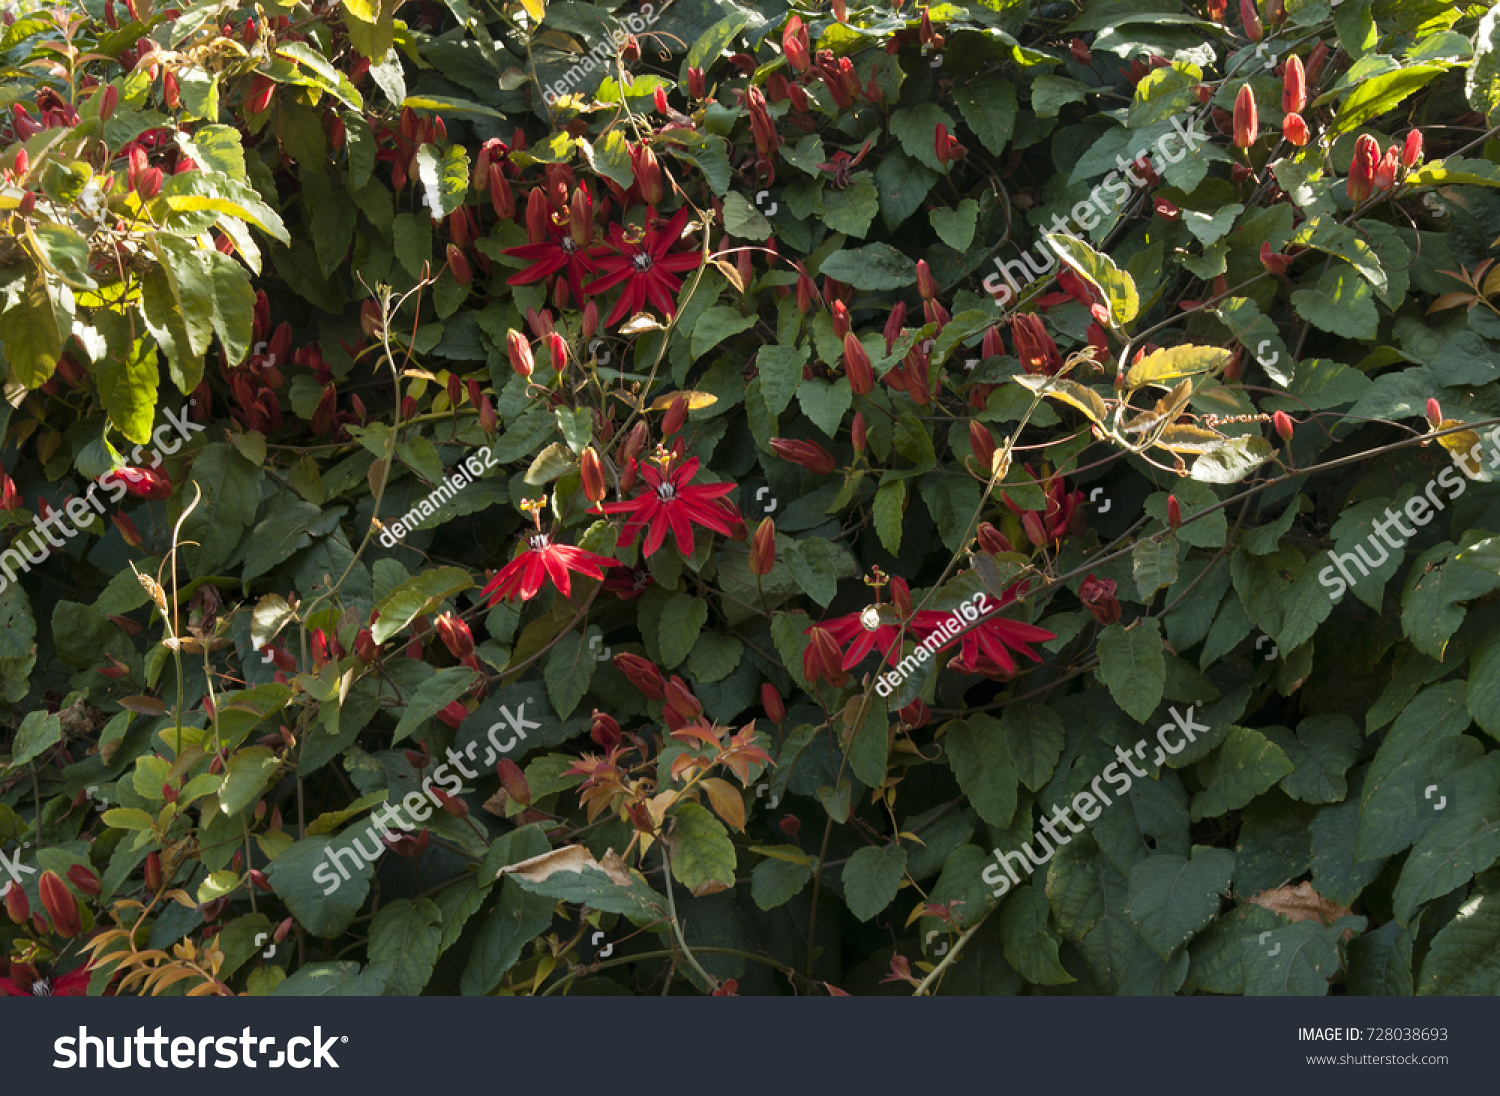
531	498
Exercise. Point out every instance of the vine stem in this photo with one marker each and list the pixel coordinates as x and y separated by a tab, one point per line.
687	952
958	946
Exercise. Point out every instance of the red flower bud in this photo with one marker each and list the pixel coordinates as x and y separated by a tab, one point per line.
1294	129
1166	210
1276	264
454	714
60	905
790	824
857	432
1293	86
659	100
1434	413
453	805
926	284
169	90
840	313
458	265
1387	167
674	418
1411	151
605	731
455	634
771	701
1246	119
365	646
647	174
1361	181
1035	348
1035	530
697	87
1080	51
857	366
1174	512
823	659
763	548
261	90
109	98
992	541
794	44
1251	18
809	454
1098	597
153	873
16	904
807	293
642	674
591	469
519	350
1283	424
144	483
85	880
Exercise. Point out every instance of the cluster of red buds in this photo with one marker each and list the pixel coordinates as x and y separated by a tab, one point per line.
1370	171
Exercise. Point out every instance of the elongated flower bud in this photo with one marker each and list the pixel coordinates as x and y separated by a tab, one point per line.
1293	86
1387	167
61	906
519	350
153	873
458	265
1294	129
1434	413
647	174
455	634
807	293
676	415
794	44
763	548
591	470
926	283
1276	264
823	659
643	674
1246	119
1251	18
809	454
16	904
983	444
1283	424
894	324
1174	512
85	880
992	541
857	366
1411	152
771	701
841	326
857	432
993	345
605	731
1361	181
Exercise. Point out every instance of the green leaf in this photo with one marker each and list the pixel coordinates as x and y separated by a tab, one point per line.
889	509
872	267
1373	97
1049	94
1322	750
715	657
1464	842
406	935
716	325
682	619
570	669
1245	765
852	209
702	853
1154	565
416	596
812	564
1167	367
1116	286
955	227
1132	665
712	43
776	882
780	374
445	180
1342	303
335	978
29	335
1464	960
1171	898
981	761
871	878
1034	737
741	219
1029	945
431	697
915	127
231	488
38	732
989	107
310	878
1232	461
1296	961
245	778
127	389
